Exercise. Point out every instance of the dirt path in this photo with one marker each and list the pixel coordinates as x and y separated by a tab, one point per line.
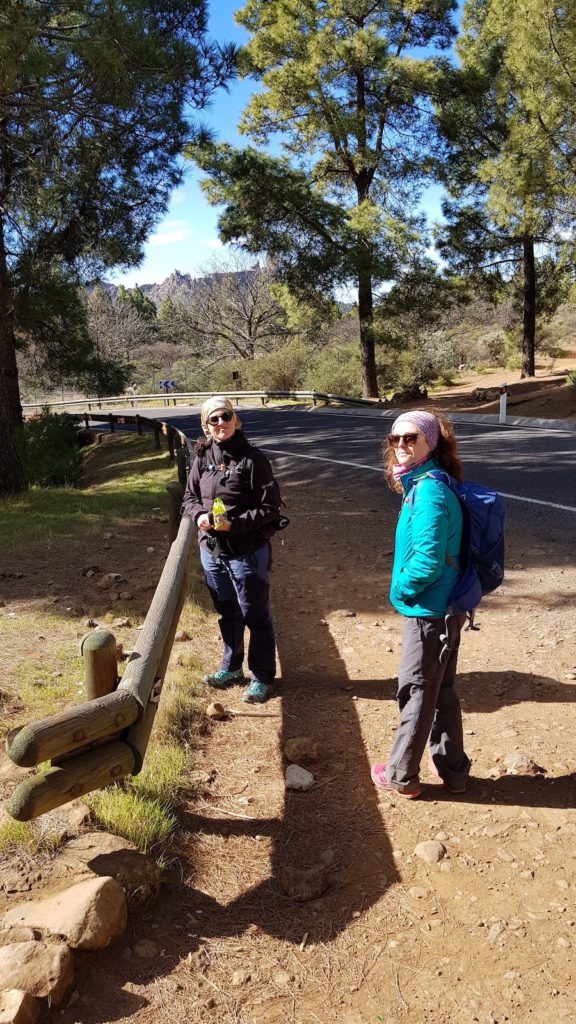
488	934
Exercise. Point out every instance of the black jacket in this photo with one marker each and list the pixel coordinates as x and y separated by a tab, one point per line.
241	475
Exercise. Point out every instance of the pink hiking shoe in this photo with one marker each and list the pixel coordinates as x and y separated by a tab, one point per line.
378	776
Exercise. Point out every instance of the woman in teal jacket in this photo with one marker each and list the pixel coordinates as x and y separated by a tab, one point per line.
425	569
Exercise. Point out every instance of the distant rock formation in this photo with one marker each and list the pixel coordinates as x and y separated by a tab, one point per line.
179	287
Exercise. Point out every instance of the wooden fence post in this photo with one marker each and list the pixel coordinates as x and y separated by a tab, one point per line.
157	434
182	468
42	792
138	735
111	422
138	422
171	444
175	495
98	650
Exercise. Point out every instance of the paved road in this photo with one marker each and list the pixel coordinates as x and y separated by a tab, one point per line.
534	467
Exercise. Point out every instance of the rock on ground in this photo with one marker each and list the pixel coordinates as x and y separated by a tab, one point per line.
90	915
18	1007
44	969
100	853
431	851
298	778
303	750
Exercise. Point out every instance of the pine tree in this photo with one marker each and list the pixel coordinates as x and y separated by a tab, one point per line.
345	86
138	301
507	192
93	103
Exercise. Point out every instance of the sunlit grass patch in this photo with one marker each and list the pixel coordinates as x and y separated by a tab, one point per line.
123	481
15	835
147	822
182	698
163	772
40	836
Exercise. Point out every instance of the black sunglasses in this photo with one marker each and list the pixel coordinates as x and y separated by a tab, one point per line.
394	439
224	416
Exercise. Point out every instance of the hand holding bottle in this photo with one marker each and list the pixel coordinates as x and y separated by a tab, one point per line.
221	522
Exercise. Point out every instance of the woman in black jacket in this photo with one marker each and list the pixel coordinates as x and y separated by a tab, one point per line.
235	544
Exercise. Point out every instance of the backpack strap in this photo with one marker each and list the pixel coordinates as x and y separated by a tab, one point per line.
443	478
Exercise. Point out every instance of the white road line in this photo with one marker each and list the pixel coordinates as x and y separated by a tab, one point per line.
321	458
378	469
538	501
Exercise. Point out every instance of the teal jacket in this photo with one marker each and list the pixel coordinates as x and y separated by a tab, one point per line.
428	534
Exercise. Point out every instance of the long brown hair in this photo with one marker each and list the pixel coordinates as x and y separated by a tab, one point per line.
445	454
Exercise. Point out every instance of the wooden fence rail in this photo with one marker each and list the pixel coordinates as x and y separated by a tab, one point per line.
105	739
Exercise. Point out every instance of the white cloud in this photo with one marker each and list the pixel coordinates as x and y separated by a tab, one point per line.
171	231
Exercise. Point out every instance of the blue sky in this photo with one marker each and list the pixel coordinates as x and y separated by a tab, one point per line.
187	237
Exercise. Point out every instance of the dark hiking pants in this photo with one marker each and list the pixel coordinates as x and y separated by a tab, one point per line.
430	710
240	592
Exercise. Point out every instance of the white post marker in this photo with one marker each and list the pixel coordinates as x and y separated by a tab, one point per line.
503	400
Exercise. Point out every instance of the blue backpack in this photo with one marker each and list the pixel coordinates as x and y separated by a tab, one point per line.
482	551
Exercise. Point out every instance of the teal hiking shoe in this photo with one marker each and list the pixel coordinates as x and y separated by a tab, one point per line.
256	692
222	679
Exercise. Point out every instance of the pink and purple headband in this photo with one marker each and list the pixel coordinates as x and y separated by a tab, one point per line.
427	424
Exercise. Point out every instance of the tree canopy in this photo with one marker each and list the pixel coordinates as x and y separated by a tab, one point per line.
96	100
509	190
345	85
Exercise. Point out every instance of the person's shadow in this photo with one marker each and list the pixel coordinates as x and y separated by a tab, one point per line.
337	830
339	822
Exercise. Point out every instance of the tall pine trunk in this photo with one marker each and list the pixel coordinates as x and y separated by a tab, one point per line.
366	317
529	324
12	479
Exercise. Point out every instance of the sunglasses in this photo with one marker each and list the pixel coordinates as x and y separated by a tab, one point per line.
394	439
224	416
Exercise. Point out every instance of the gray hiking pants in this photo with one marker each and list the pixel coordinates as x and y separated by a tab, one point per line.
429	706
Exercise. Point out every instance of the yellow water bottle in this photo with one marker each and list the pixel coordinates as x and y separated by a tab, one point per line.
218	510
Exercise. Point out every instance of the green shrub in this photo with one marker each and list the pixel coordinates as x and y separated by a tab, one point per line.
284	369
50	450
336	370
512	350
571	378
